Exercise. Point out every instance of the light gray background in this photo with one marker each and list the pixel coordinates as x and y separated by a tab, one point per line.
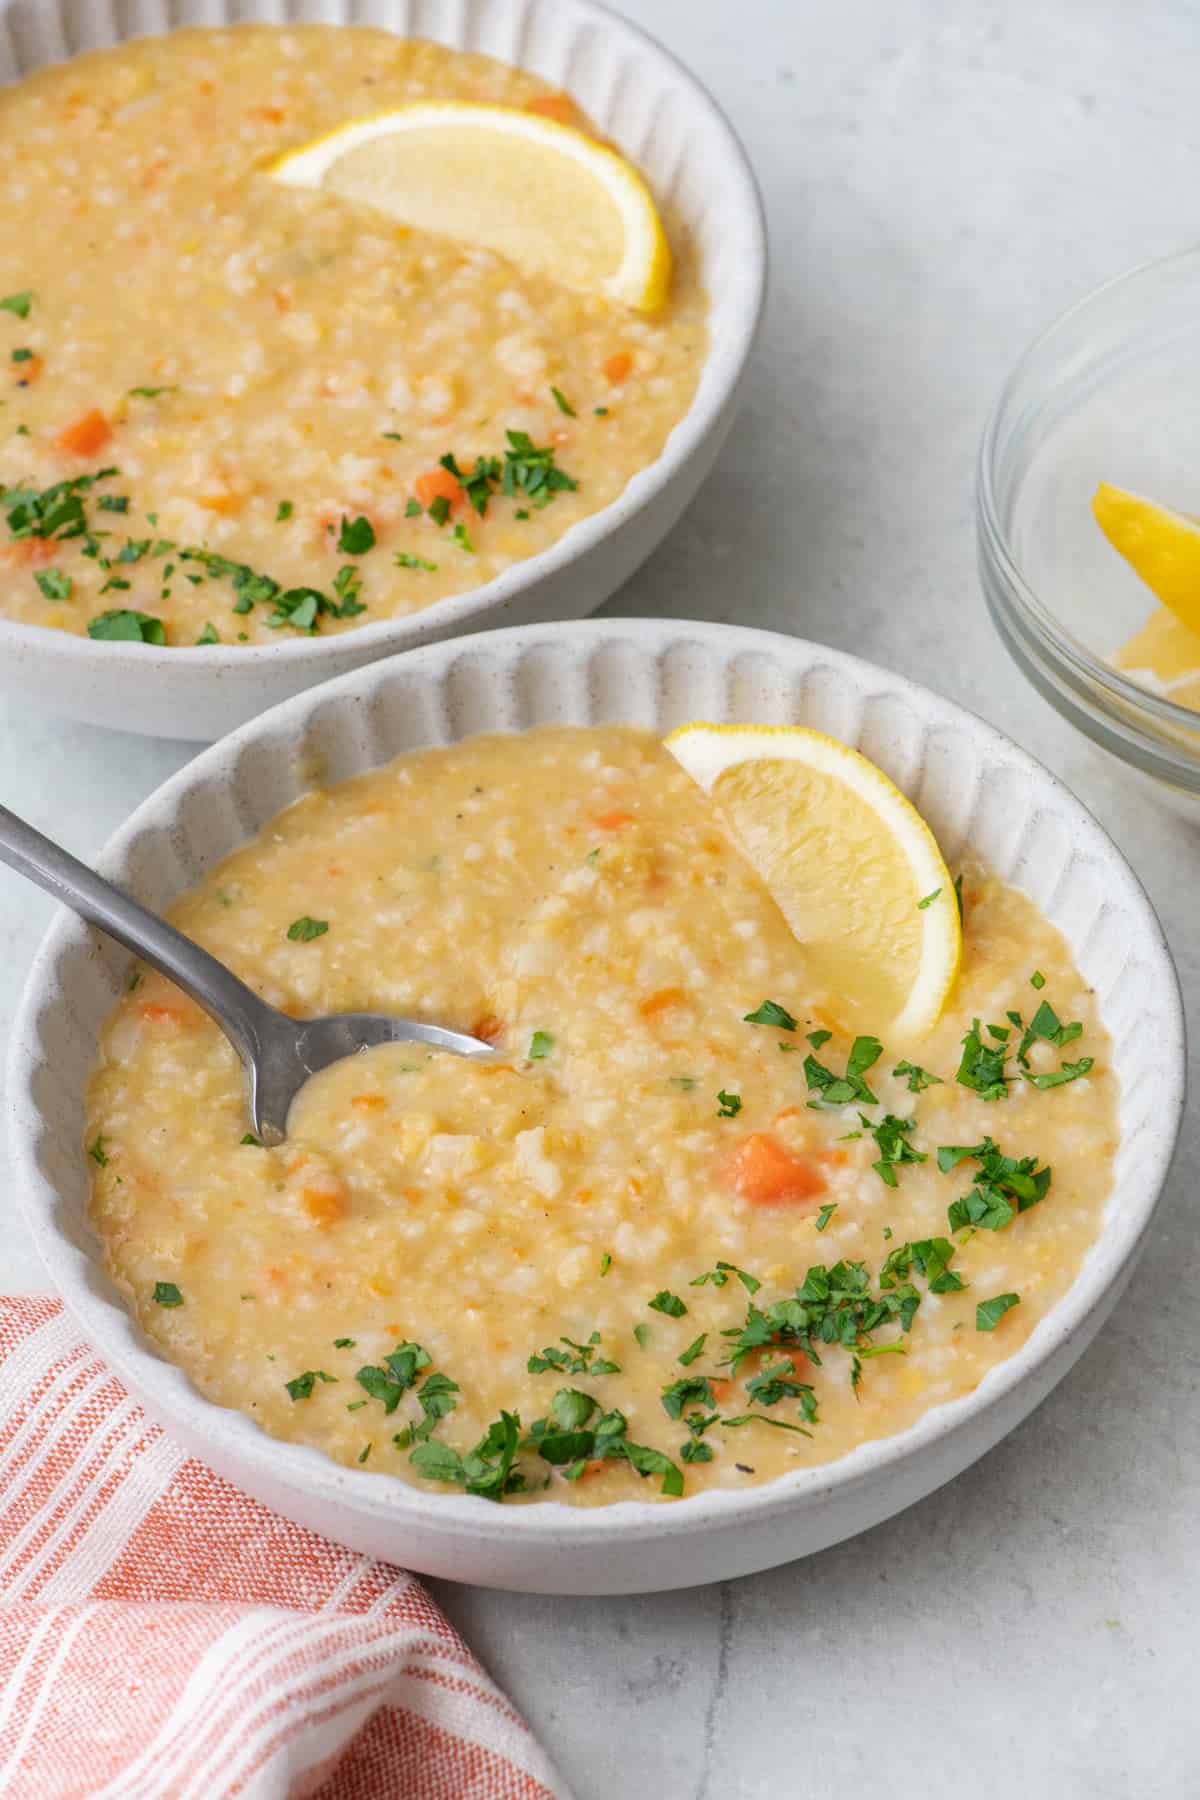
941	177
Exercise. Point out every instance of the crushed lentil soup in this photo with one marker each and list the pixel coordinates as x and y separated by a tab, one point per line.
275	375
447	1258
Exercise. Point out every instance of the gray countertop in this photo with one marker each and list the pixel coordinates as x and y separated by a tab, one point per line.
941	177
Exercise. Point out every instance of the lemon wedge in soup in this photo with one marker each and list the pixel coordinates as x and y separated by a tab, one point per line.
851	864
550	198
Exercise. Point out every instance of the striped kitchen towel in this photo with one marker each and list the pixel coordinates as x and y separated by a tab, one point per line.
161	1634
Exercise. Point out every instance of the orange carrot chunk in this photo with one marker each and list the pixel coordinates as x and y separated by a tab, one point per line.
659	1000
83	437
762	1171
439	484
612	821
618	367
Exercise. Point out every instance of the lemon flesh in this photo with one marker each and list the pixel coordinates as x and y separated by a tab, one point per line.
847	859
1160	545
549	198
1165	656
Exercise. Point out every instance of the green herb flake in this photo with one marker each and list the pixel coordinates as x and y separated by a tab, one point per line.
209	634
719	1276
642	1333
982	1066
283	511
605	1263
18	303
685	1083
439	509
562	403
54	584
251	1139
463	541
304	929
301	1386
817	1038
918	1078
728	1105
343	1343
167	1294
840	1090
22	355
540	1046
152	393
363	1453
694	1349
1067	1071
601	412
356	536
405	559
771	1013
892	1140
126	626
928	900
118	503
989	1313
413	508
826	1213
666	1302
98	1153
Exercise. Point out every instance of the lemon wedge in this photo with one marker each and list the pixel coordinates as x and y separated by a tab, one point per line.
548	197
852	865
1160	545
1168	653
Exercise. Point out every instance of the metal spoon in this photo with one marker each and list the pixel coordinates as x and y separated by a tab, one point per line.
278	1053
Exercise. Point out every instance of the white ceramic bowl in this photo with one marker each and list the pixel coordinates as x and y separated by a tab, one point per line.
660	116
976	789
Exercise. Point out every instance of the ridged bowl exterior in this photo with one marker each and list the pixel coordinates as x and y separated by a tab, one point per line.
977	790
655	112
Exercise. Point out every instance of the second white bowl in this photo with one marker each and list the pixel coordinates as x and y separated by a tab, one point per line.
664	121
978	791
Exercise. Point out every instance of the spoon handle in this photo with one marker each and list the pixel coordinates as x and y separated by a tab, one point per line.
236	1008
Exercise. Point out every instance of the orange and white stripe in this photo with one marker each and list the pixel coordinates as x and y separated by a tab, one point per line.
161	1634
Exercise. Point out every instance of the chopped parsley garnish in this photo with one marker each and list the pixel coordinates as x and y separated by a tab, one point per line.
832	1306
720	1275
54	584
817	1038
283	511
53	512
209	634
826	1213
891	1138
839	1090
642	1333
601	412
667	1302
694	1349
304	929
459	534
118	503
413	508
486	1471
18	303
958	895
982	1066
562	403
1002	1180
989	1313
763	1419
771	1013
391	1382
689	1390
347	585
1046	1025
576	1359
540	1046
780	1382
251	1139
1067	1071
343	1343
685	1083
127	626
439	509
930	1257
728	1105
301	1386
167	1294
918	1078
1037	979
356	536
98	1153
928	900
406	560
152	393
22	355
363	1453
605	1263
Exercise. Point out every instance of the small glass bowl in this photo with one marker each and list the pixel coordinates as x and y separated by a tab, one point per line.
1111	392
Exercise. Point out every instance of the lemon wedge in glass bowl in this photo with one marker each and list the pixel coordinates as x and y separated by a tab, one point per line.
850	862
551	199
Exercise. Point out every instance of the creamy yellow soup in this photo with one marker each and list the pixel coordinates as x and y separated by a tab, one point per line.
656	1244
274	375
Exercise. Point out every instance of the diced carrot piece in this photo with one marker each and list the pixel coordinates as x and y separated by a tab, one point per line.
439	484
612	821
83	437
721	1387
272	114
25	552
157	1014
365	1102
762	1171
220	501
559	107
618	367
660	1000
324	1205
488	1027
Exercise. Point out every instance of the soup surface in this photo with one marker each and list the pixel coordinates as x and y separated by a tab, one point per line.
656	1243
270	372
